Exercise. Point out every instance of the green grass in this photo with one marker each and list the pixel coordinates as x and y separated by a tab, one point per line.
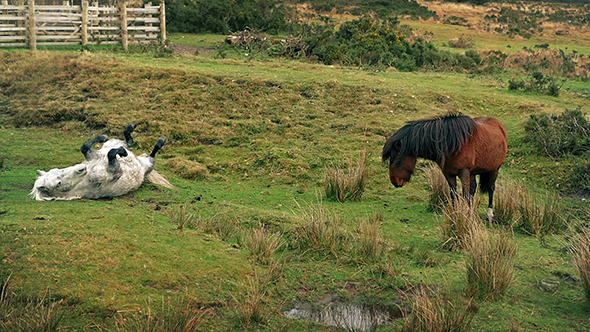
265	130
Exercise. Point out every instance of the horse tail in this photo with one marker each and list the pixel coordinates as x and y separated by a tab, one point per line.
485	182
157	179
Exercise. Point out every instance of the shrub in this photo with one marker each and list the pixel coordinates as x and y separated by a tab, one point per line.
540	215
581	253
436	313
347	185
580	178
490	263
537	81
461	42
439	194
557	135
181	218
251	305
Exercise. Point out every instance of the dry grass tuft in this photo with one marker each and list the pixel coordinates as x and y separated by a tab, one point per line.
181	315
22	314
458	219
262	245
541	215
461	42
181	218
439	195
187	168
368	242
251	306
490	263
581	253
509	200
320	230
435	312
347	184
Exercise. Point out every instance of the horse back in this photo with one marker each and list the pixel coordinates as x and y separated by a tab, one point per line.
484	151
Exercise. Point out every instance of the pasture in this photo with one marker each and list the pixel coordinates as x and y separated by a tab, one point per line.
249	145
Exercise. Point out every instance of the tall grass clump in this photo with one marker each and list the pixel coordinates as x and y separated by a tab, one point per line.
367	240
25	314
439	194
435	312
510	198
581	253
251	305
263	245
490	263
182	218
541	215
458	220
347	184
320	230
180	315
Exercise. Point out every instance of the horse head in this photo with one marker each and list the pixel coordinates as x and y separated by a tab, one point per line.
401	166
56	183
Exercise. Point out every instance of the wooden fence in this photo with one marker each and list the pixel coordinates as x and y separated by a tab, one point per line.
22	25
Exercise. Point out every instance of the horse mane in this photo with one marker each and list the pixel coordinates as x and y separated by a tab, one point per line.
434	139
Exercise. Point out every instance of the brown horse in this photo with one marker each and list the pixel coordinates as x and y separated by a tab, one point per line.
460	145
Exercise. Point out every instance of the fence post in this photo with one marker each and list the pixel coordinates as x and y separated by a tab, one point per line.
20	24
32	26
163	22
84	28
124	34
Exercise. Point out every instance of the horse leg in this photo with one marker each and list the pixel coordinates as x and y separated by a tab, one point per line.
159	144
87	147
472	186
452	181
491	187
465	176
113	166
127	133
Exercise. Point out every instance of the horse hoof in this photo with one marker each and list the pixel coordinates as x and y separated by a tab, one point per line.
490	214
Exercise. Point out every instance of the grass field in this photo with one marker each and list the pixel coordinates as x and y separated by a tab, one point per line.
250	140
249	145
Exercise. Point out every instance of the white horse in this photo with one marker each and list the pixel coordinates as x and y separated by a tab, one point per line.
109	172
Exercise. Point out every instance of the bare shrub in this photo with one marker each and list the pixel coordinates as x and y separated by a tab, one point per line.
435	312
368	242
461	42
180	315
439	194
263	245
490	263
581	253
347	184
320	230
27	314
458	219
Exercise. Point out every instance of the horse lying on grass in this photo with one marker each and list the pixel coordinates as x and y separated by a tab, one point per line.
460	145
109	172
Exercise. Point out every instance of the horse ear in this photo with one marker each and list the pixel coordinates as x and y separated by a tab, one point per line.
40	172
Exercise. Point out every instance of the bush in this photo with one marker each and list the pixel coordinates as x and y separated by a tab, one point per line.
537	81
458	220
461	42
558	135
220	16
319	231
439	195
580	178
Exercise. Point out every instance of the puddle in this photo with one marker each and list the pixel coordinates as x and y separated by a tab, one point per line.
347	315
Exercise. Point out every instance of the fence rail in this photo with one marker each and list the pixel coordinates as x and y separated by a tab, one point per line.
85	24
